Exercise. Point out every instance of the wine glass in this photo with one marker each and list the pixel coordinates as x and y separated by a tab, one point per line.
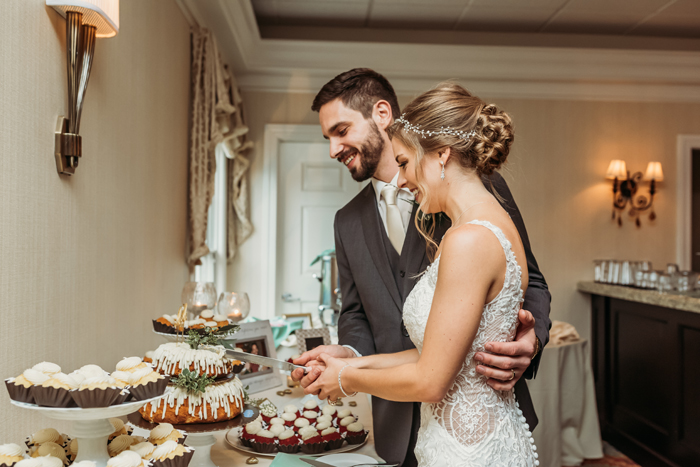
234	305
199	296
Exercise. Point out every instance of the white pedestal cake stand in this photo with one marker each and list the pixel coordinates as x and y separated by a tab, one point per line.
91	427
200	436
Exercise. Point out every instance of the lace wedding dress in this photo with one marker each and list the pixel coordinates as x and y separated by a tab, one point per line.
474	425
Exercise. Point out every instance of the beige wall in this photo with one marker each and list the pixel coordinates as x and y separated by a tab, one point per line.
556	172
86	261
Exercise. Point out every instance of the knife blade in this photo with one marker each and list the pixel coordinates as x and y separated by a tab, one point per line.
314	462
264	361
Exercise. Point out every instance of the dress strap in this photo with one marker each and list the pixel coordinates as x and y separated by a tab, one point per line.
512	267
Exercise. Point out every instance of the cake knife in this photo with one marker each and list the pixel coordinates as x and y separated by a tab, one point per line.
264	361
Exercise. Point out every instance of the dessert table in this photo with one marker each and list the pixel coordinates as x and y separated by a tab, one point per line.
563	394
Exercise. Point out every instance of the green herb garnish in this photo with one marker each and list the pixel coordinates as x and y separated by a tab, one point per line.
192	382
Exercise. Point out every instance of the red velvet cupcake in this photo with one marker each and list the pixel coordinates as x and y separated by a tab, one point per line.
311	416
268	412
288	418
264	442
248	433
311	405
289	442
300	423
312	443
331	438
356	433
343	424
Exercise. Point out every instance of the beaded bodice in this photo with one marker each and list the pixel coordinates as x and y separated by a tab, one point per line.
474	424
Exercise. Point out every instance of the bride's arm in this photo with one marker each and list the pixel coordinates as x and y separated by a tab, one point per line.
470	255
387	360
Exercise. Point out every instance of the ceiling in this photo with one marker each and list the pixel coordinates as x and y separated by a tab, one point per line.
652	18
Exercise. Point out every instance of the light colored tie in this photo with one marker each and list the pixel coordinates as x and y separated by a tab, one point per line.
394	224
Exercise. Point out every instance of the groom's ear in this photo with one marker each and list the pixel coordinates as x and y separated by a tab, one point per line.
381	114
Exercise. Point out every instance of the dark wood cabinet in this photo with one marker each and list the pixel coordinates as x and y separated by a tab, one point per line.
646	362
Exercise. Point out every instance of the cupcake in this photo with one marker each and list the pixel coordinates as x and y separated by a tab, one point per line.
77	376
120	428
165	432
45	436
119	444
131	364
51	449
288	418
310	415
277	429
33	462
221	320
126	459
277	421
165	324
292	409
329	410
289	442
248	433
312	405
72	449
148	358
264	442
344	413
171	454
91	371
147	383
20	387
312	443
48	368
10	454
122	380
300	423
356	433
331	438
268	412
343	425
55	391
143	449
325	419
320	426
84	464
96	392
206	315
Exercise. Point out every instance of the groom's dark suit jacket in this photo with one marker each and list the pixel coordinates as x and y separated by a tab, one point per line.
375	280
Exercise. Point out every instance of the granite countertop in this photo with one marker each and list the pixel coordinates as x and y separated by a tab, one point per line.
676	301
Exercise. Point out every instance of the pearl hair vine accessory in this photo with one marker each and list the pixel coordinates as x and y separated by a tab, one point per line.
465	135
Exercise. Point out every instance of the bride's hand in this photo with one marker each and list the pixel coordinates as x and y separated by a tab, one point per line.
326	385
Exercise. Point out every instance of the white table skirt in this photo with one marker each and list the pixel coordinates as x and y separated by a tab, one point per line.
563	394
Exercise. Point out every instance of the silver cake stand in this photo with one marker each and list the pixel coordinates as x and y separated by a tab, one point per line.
91	427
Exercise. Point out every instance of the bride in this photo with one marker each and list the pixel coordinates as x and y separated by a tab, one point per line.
445	140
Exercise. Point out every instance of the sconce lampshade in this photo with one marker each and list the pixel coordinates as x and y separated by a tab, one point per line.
617	169
654	172
103	14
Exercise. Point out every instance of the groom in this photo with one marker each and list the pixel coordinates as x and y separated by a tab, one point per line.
380	252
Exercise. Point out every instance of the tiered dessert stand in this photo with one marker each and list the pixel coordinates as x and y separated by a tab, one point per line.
91	427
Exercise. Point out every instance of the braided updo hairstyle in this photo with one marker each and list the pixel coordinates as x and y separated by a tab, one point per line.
451	106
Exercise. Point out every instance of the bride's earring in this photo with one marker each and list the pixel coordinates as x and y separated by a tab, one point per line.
442	174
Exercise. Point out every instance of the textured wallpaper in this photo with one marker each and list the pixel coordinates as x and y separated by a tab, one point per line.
87	261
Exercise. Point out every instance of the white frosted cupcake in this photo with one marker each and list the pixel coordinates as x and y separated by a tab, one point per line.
20	387
165	432
55	391
99	391
126	459
143	449
48	368
146	383
171	454
356	433
119	444
47	435
51	449
83	464
11	454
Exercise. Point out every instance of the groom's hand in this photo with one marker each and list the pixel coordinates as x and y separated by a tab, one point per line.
507	361
310	358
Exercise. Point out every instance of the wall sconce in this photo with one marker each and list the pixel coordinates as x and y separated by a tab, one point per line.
85	20
625	189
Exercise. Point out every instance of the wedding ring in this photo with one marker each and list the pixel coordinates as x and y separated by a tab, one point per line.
512	376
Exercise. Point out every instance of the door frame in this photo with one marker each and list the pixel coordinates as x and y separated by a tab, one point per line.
684	162
275	134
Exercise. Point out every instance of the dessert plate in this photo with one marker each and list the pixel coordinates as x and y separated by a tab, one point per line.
234	441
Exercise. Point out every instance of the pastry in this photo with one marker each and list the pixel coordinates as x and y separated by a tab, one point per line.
131	364
120	428
48	368
312	443
165	432
146	383
329	410
268	412
276	430
264	442
55	391
122	380
288	418
44	436
332	438
301	423
32	462
83	464
311	405
72	449
343	424
143	449
288	442
171	454
126	459
51	449
148	358
356	433
91	371
325	419
220	320
219	402
248	433
119	444
20	387
10	454
165	324
310	415
172	358
320	426
98	391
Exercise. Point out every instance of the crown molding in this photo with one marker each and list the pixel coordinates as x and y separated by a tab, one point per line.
278	65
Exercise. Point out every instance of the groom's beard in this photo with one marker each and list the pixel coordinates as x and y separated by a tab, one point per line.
370	153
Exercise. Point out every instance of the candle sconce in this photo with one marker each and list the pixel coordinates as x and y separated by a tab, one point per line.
625	187
85	21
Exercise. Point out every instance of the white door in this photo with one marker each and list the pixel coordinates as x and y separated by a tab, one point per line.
311	188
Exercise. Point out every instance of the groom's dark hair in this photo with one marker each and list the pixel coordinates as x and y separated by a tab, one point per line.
359	89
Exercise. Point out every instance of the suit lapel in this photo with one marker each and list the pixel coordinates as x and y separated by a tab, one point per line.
371	225
413	253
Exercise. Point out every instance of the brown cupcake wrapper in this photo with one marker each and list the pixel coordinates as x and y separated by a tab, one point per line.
182	440
91	398
263	448
356	439
335	444
245	442
238	368
123	396
18	392
160	327
288	448
313	448
152	389
52	397
181	461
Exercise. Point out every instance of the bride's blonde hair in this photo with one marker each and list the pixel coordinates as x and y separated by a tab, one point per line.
478	134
